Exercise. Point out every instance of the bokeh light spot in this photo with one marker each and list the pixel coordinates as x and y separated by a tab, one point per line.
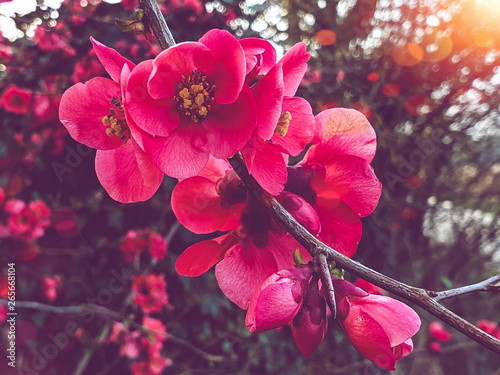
483	40
408	54
419	105
372	77
326	37
391	90
413	182
436	46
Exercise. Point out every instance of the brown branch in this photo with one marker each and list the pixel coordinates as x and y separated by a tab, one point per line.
156	21
416	295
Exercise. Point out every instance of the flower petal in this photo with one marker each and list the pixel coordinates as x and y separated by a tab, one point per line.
254	47
310	325
124	177
268	94
266	164
341	131
229	127
351	180
301	128
294	67
228	70
340	226
182	154
157	117
200	257
82	109
242	270
399	321
111	60
197	205
368	337
172	64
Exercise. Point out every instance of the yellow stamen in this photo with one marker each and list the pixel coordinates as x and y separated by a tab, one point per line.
115	122
283	124
195	96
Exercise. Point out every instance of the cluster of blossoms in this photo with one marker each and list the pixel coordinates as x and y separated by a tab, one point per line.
142	345
23	221
198	103
150	293
136	242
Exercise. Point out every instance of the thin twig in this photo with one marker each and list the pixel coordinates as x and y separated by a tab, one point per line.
107	313
485	286
326	278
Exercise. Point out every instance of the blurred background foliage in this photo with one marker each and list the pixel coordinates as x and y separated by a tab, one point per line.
425	73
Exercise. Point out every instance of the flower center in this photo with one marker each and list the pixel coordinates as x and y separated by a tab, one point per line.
116	122
283	124
195	96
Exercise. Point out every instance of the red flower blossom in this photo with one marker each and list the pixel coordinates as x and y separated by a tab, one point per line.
26	222
95	114
50	285
336	179
437	331
192	102
254	249
135	242
16	100
150	292
286	297
379	327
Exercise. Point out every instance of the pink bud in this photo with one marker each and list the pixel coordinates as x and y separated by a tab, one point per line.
277	300
310	325
378	327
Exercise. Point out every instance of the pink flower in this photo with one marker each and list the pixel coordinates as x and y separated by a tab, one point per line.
254	249
50	285
278	299
95	114
193	102
150	292
336	178
437	331
2	195
153	342
135	242
16	100
286	297
378	327
27	222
